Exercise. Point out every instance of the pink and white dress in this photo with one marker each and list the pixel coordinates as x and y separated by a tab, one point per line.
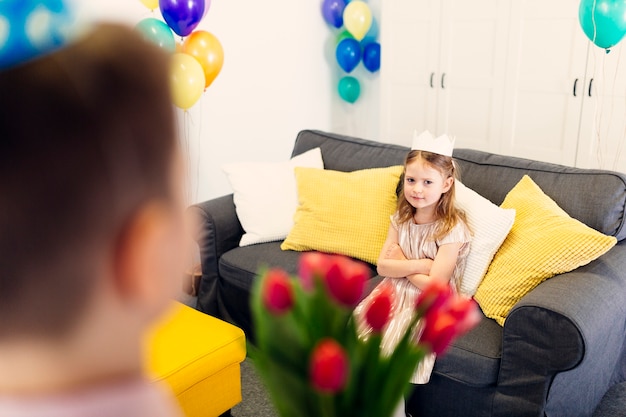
416	243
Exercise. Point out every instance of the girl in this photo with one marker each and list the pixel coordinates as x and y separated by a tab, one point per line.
428	239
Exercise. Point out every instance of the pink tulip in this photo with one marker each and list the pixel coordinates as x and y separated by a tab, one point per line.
312	265
329	367
378	312
278	294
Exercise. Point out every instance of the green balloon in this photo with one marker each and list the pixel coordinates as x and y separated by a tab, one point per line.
603	21
157	32
349	89
343	35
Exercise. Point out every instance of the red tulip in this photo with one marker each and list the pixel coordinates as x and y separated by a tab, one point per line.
329	367
346	279
465	310
312	265
446	317
378	312
434	296
277	292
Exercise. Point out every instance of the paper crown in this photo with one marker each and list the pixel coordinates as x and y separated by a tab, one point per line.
425	141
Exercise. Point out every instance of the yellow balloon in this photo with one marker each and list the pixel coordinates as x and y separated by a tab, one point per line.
186	80
151	4
357	17
208	50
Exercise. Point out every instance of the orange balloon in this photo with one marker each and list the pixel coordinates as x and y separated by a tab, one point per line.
208	50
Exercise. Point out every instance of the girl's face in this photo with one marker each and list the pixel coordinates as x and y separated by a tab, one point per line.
424	185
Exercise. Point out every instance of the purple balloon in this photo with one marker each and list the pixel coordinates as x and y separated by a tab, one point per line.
332	10
207	4
182	15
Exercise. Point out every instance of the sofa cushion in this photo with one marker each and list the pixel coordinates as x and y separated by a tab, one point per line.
543	242
345	153
347	213
266	205
490	225
474	358
240	265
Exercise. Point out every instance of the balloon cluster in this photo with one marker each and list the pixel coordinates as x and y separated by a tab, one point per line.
198	59
603	21
355	43
31	28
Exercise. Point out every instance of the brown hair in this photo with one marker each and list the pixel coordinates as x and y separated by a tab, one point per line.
446	211
87	135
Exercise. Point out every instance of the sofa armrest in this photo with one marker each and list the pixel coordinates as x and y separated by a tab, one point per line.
218	230
563	341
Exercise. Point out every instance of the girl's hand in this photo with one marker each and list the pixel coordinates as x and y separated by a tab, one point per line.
394	251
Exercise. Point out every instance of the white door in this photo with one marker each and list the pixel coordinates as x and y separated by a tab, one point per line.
410	54
545	81
603	125
471	80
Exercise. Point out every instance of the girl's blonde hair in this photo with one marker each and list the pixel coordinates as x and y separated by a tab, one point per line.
448	214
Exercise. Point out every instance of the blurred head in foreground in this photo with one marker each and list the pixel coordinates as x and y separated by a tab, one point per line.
90	211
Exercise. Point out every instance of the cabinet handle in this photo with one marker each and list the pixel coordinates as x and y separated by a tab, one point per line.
590	84
575	84
432	74
443	81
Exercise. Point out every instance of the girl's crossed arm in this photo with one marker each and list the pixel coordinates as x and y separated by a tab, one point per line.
392	262
442	267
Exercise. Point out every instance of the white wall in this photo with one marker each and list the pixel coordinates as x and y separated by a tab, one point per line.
279	77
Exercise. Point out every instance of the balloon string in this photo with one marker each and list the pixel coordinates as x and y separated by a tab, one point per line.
620	143
186	122
598	110
593	20
198	150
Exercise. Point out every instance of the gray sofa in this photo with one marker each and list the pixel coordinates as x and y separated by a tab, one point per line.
563	345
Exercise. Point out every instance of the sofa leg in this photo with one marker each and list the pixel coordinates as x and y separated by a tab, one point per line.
226	414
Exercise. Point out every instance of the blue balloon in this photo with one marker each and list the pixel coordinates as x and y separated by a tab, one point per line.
348	54
332	10
30	28
371	56
182	15
157	32
603	21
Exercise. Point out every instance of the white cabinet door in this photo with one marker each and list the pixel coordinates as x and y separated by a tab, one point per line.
545	81
603	123
410	44
443	69
472	72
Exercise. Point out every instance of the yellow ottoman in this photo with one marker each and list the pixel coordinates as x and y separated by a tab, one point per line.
198	356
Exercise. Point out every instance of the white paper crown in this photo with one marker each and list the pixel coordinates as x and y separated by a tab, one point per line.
425	141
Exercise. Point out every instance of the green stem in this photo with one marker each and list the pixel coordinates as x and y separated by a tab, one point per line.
327	404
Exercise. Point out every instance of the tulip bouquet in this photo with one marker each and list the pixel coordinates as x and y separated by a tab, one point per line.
308	350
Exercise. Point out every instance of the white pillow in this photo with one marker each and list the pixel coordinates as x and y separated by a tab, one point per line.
490	225
266	195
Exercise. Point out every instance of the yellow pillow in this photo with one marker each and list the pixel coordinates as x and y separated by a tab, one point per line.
344	212
544	241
